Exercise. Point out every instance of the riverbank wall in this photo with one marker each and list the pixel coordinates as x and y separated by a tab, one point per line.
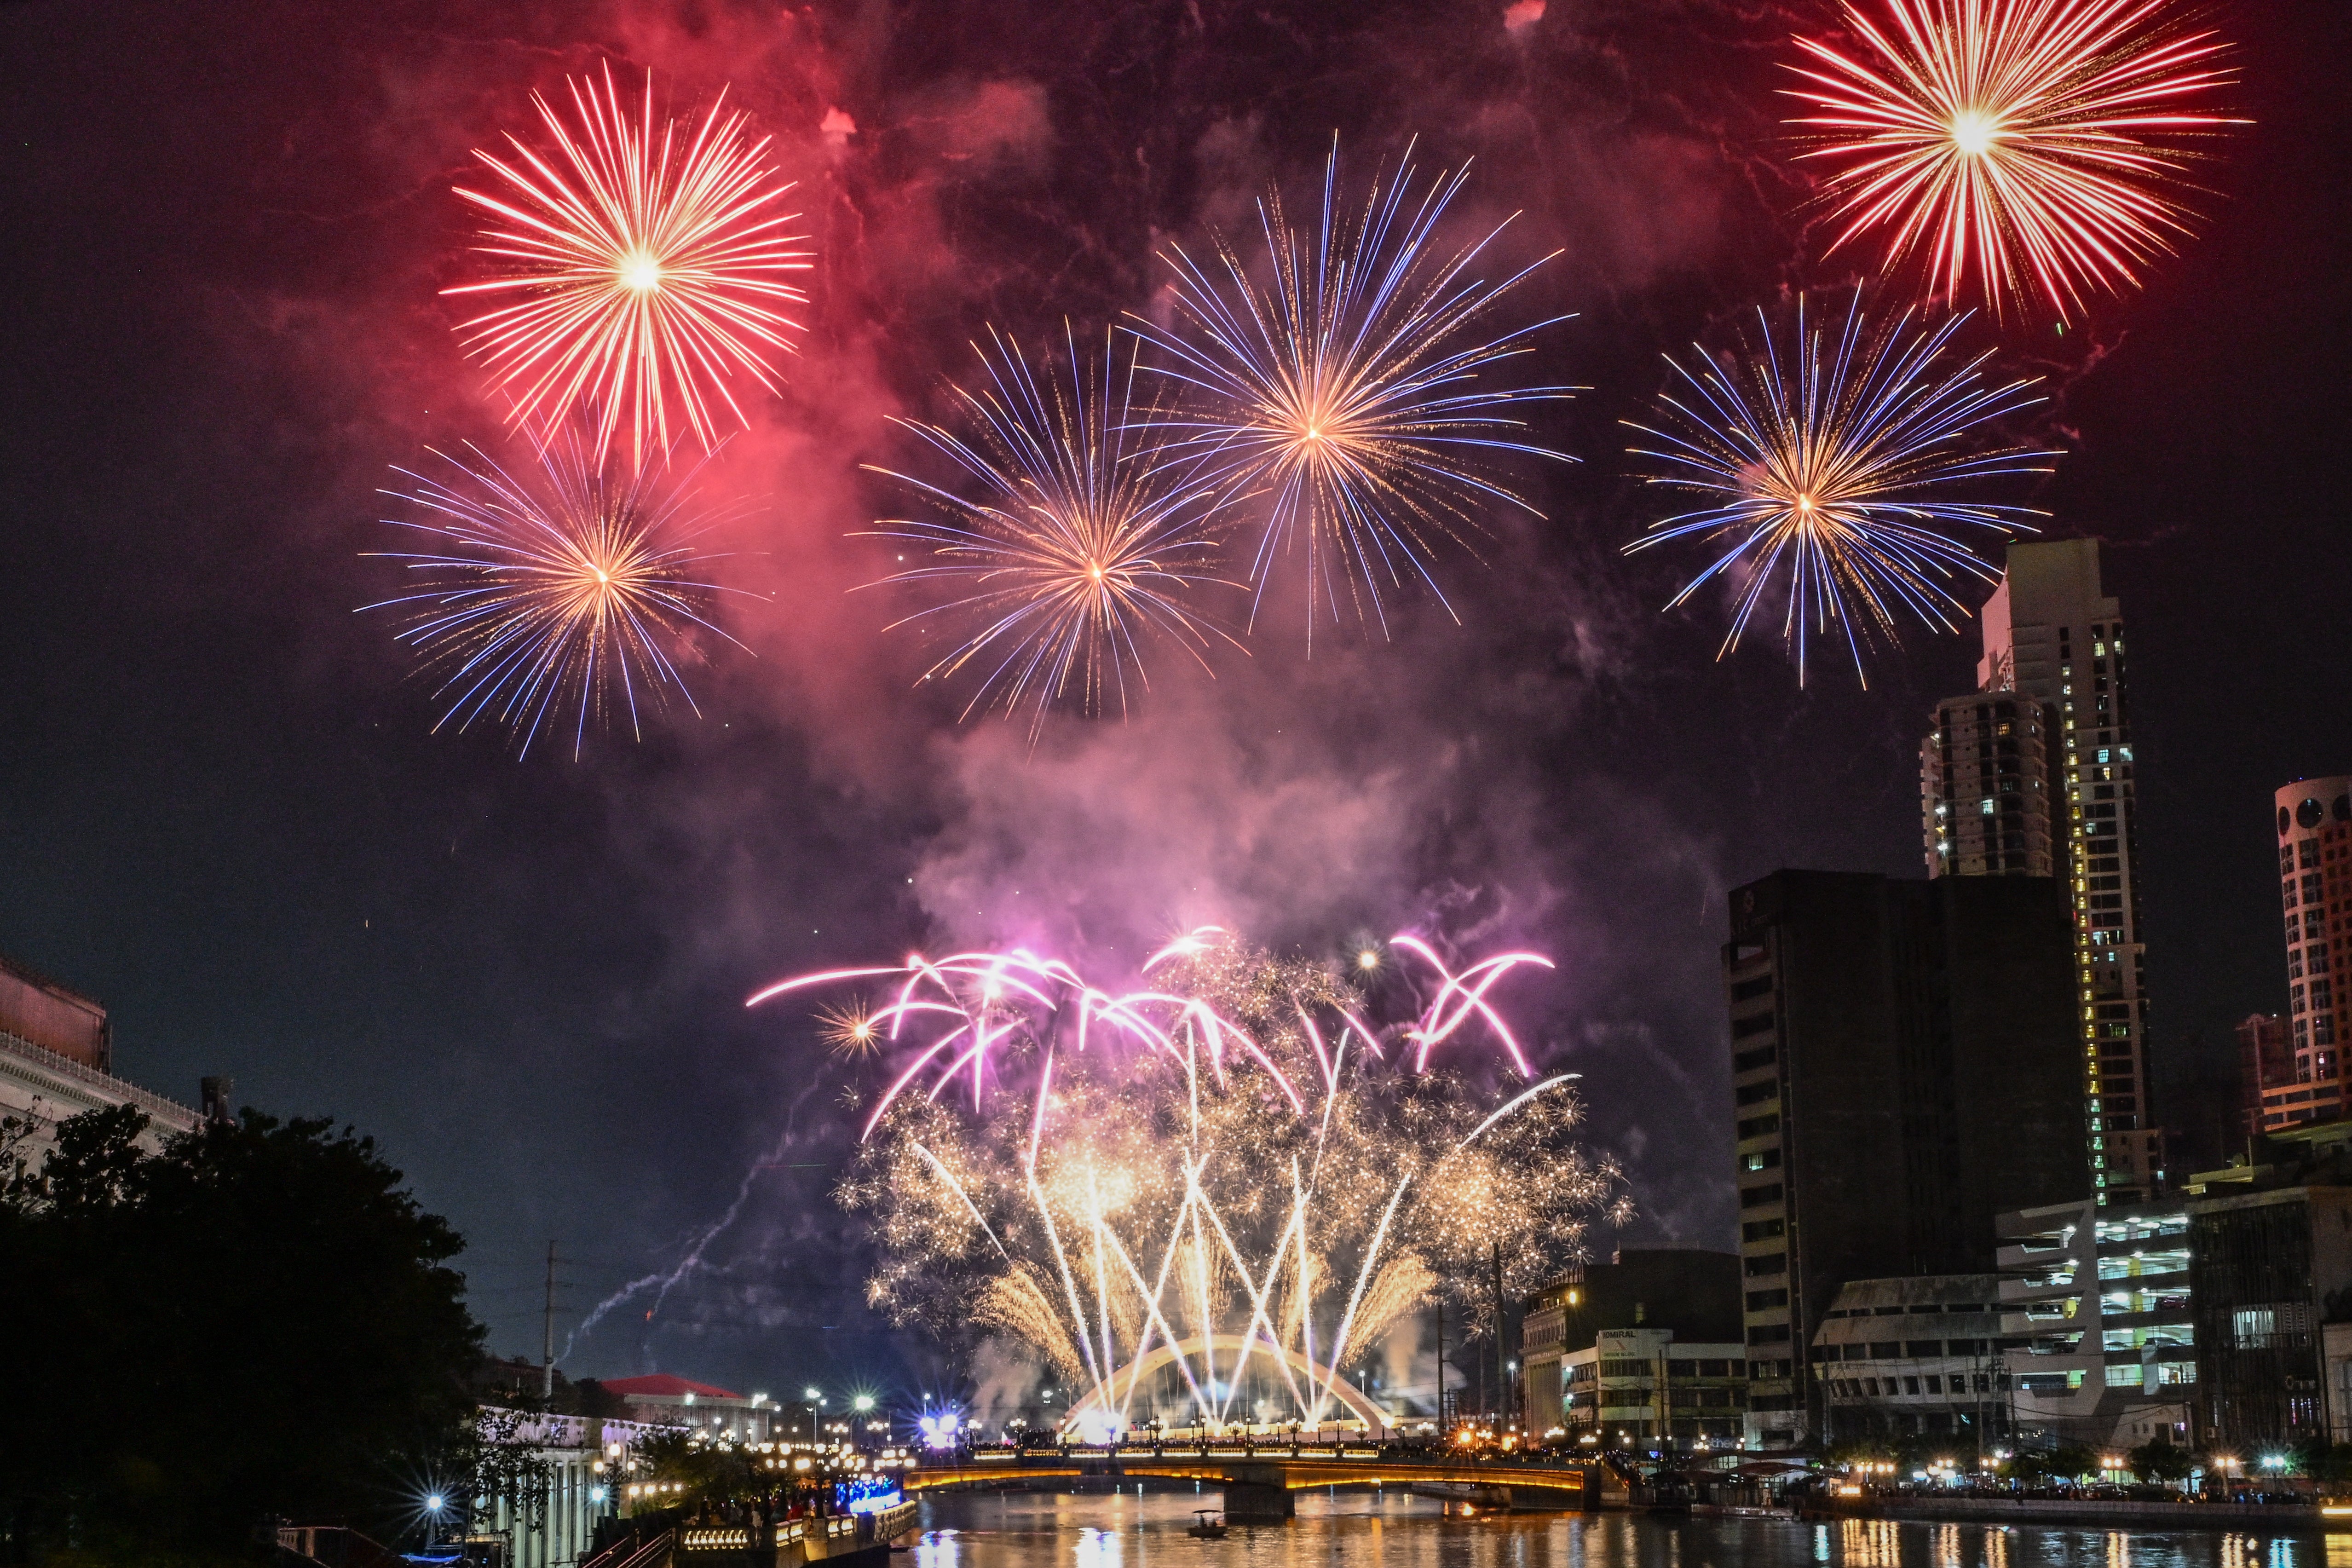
2239	1517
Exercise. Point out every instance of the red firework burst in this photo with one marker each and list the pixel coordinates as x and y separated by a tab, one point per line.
2026	145
644	269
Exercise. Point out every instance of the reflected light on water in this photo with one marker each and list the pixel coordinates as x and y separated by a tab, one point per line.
1096	1547
1394	1530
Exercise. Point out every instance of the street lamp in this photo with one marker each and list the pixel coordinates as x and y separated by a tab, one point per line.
434	1506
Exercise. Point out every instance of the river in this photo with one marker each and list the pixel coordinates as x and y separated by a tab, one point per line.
1370	1530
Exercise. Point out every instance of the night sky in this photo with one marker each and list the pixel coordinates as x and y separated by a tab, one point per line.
222	814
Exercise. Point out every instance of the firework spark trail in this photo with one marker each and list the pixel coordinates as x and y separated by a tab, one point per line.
643	269
1467	992
668	1280
1354	392
991	995
1512	1103
571	591
1836	460
2023	144
1080	545
1108	1202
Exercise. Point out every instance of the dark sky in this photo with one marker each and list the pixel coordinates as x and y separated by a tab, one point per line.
222	813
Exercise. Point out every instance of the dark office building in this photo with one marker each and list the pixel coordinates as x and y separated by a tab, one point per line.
1905	1064
1691	1298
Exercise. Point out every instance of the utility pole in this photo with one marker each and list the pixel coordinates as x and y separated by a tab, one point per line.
547	1337
1503	1400
1441	1369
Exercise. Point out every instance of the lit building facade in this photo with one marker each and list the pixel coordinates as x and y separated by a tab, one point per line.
1691	1292
1641	1388
584	1464
1903	1068
2314	838
664	1399
2054	640
2098	1323
1917	1356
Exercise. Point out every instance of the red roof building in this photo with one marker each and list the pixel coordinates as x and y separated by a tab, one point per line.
664	1385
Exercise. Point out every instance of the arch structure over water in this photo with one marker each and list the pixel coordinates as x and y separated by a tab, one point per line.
1329	1382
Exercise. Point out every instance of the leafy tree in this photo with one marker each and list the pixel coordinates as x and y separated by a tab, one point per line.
500	1461
2321	1460
2067	1462
705	1471
2159	1461
258	1320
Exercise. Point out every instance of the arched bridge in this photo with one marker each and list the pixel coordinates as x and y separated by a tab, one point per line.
1258	1479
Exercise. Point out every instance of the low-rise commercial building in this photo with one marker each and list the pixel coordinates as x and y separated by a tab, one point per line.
1916	1357
2097	1318
57	1061
663	1399
1695	1294
1641	1388
2273	1272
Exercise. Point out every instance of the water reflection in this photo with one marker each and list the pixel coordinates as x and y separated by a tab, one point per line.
1391	1529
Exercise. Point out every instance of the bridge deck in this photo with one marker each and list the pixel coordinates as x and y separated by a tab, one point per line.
1299	1473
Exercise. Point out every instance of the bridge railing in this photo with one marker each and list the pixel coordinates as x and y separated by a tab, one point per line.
1354	1452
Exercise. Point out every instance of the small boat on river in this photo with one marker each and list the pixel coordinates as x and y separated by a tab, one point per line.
1207	1525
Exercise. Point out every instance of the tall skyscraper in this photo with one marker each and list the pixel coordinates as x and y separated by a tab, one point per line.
2052	639
1903	1069
2314	838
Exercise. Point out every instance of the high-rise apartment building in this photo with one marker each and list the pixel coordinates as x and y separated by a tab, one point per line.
2054	640
2315	839
1903	1066
2267	1090
1989	795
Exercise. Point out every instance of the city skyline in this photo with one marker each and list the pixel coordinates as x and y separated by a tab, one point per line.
230	824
